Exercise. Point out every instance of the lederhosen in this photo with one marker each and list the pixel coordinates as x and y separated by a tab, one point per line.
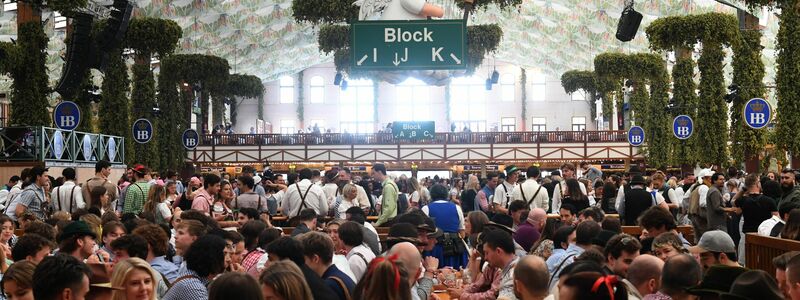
71	199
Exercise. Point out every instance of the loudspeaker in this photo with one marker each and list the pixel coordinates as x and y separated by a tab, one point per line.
628	24
113	33
77	58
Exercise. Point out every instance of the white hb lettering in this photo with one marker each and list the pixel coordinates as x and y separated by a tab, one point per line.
758	118
67	121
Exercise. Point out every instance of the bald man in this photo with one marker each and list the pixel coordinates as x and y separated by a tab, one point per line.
644	276
531	278
408	254
530	231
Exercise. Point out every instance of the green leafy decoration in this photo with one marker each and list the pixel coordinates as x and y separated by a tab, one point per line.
711	124
482	4
575	80
748	73
301	112
611	69
787	76
684	87
333	37
247	86
27	68
85	105
114	102
148	36
211	72
328	11
143	94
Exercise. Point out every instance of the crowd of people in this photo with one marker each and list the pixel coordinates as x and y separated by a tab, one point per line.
512	235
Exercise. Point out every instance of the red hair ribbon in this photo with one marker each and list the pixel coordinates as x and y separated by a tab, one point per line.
392	259
609	281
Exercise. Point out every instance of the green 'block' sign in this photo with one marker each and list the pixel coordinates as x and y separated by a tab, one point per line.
414	130
408	45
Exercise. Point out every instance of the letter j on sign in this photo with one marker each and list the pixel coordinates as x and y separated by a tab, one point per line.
142	131
408	45
636	136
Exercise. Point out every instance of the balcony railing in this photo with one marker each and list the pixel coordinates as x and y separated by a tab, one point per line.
388	138
55	145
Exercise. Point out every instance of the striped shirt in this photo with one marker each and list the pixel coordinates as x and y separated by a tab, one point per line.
188	286
135	197
32	197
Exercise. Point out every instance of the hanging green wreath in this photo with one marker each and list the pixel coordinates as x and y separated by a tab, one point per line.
328	11
147	36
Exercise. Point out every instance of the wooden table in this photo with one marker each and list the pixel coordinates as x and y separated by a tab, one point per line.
443	296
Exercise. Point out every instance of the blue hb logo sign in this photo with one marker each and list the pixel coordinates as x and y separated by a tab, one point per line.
190	139
757	113
142	131
636	136
67	115
682	127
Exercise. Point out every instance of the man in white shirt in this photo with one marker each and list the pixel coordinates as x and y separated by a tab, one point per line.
532	192
68	197
304	194
567	172
358	255
504	193
14	182
330	187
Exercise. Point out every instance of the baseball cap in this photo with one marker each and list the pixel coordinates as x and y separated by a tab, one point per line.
714	241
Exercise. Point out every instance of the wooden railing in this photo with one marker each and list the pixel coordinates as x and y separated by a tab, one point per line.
760	250
439	138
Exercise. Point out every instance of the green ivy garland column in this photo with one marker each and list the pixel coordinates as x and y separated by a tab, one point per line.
748	73
658	123
787	78
711	125
575	80
114	108
148	36
244	86
301	111
143	96
261	106
29	73
683	94
217	110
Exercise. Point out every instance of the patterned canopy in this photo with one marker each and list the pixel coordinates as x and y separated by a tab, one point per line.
260	37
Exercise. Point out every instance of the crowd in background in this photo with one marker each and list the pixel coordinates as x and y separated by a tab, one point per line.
510	235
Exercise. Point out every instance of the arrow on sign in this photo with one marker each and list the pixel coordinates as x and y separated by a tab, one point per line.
361	61
453	56
398	60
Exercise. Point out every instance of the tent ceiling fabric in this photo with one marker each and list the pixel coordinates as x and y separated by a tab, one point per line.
260	37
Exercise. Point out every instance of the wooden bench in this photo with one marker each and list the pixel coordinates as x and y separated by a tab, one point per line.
760	250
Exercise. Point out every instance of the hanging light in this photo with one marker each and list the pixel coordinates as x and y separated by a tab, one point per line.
495	77
338	79
488	84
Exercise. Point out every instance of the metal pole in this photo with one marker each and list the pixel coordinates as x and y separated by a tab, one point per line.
467	8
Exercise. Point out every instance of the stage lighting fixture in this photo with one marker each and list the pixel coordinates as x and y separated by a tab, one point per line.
338	79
